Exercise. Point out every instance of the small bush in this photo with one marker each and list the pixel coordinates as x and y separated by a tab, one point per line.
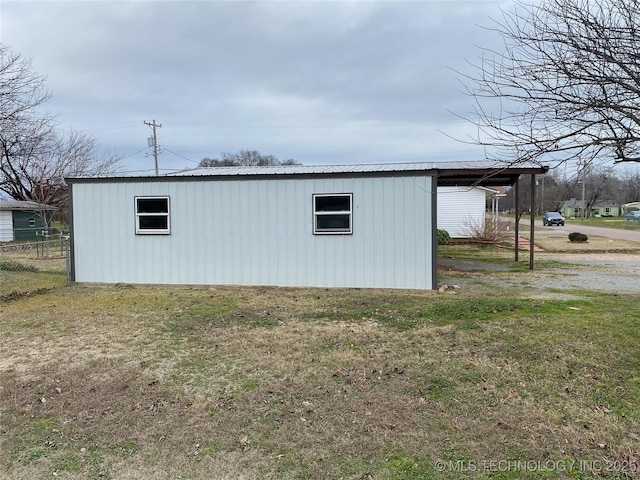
578	237
443	237
13	266
491	230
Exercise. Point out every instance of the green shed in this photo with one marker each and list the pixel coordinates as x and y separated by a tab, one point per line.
21	220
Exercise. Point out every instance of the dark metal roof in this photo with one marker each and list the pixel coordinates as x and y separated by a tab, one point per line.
481	173
23	205
487	177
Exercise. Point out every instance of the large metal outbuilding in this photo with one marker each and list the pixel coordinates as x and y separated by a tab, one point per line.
320	226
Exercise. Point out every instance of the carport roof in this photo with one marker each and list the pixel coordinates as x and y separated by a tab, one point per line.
485	174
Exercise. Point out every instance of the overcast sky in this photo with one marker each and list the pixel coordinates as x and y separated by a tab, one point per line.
319	82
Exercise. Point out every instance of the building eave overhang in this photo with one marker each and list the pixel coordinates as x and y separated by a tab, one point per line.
484	174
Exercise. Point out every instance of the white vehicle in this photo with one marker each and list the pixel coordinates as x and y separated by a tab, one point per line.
633	216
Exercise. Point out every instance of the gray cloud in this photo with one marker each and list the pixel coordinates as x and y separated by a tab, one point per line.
320	82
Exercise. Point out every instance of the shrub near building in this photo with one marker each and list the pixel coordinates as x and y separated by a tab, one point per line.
443	237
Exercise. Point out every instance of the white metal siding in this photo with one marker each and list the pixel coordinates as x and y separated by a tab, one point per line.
6	226
459	208
257	232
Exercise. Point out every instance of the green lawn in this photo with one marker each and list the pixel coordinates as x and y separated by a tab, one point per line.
318	383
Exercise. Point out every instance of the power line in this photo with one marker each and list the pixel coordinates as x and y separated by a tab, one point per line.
134	153
178	155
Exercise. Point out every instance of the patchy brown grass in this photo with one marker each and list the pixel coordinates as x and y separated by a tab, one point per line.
312	383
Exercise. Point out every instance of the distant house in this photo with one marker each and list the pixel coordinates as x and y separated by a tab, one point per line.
602	208
20	220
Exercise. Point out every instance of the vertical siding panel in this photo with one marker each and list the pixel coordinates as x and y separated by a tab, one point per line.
371	204
418	248
204	232
117	254
420	216
192	233
263	238
395	253
289	233
408	207
222	203
367	208
248	212
389	218
242	203
304	232
232	233
242	196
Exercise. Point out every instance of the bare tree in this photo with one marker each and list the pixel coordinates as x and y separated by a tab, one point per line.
251	158
629	187
21	90
565	87
34	156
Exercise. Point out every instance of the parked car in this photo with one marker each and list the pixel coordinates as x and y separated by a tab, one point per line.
552	218
633	216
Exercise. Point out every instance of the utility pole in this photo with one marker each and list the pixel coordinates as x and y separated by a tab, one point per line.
153	126
584	213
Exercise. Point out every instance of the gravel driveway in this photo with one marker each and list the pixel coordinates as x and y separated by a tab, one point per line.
609	272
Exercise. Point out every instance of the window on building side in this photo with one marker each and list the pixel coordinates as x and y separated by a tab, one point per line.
332	214
152	216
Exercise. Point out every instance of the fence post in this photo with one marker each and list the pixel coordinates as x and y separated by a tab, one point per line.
68	259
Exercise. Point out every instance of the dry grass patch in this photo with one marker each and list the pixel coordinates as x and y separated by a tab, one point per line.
561	243
311	383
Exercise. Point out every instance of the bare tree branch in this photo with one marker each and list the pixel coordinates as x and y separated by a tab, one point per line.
565	86
34	156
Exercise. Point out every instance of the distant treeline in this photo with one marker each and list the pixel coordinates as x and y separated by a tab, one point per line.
247	158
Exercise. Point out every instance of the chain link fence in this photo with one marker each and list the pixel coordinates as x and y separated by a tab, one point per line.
30	267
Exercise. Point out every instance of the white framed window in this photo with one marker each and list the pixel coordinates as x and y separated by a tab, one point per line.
332	213
152	216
